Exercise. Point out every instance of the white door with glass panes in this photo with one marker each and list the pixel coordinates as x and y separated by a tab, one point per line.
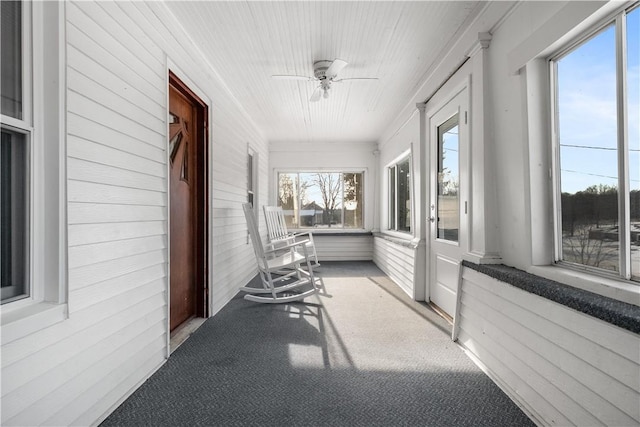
447	210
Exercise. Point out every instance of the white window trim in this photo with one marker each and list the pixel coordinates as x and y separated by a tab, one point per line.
403	235
542	179
45	118
319	231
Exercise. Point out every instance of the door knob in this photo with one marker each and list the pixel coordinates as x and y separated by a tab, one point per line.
432	219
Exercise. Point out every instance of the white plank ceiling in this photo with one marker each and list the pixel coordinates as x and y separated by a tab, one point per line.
397	42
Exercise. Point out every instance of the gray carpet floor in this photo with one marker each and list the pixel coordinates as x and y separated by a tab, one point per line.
360	353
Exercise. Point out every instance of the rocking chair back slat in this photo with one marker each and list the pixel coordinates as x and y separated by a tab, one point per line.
276	224
277	231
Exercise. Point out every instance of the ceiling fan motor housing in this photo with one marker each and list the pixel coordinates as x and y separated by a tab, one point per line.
320	69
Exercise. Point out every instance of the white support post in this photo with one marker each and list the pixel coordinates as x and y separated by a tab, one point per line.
421	198
483	236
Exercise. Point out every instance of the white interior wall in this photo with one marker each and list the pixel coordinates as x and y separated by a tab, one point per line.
510	126
75	371
395	252
405	141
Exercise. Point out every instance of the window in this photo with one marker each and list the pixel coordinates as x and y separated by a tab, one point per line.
14	160
400	195
597	156
32	173
251	177
322	199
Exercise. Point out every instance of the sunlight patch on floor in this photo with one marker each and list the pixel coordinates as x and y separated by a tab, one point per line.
305	356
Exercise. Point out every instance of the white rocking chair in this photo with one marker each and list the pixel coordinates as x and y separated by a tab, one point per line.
278	234
272	261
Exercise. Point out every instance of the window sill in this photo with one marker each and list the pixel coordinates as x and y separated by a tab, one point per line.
20	322
620	290
623	314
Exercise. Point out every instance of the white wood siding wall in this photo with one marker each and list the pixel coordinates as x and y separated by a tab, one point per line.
563	366
397	261
344	248
75	371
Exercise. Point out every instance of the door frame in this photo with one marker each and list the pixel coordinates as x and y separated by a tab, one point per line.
458	83
201	199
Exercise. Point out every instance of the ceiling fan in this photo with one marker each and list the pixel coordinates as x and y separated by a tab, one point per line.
325	72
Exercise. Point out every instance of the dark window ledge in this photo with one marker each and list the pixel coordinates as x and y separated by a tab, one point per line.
622	314
322	233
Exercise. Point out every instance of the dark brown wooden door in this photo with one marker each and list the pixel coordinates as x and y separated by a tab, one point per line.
185	247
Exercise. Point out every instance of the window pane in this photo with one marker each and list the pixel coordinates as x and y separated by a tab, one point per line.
11	60
587	132
14	247
250	179
250	173
448	181
288	198
392	198
322	199
353	200
633	108
404	196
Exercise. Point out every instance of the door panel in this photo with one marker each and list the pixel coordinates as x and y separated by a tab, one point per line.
449	138
182	115
443	294
187	152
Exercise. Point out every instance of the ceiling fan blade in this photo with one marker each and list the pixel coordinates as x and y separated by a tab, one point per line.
286	77
315	97
336	66
356	78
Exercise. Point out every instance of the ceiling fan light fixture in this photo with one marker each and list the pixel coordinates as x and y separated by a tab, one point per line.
325	95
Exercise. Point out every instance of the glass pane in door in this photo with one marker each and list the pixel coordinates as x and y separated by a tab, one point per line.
448	181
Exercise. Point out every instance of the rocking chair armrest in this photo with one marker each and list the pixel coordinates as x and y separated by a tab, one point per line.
282	247
303	233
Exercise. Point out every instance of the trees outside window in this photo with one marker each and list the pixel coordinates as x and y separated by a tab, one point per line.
322	199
